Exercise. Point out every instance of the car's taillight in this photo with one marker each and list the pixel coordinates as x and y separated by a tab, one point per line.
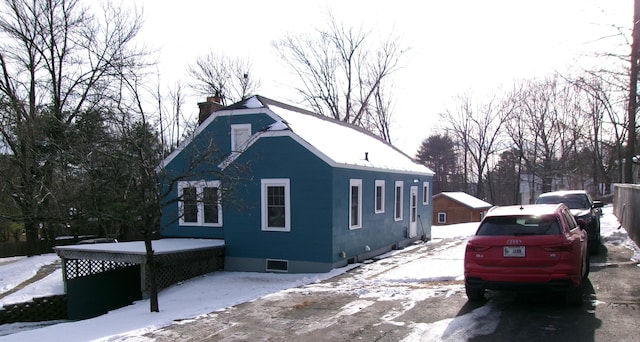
562	247
471	247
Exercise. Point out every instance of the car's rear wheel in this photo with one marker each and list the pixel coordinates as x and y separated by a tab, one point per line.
475	294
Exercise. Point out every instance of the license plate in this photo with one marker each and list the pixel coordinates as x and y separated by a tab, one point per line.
513	252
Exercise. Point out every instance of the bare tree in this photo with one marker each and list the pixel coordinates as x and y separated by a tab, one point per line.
151	185
632	107
56	60
227	78
602	104
478	129
546	125
342	73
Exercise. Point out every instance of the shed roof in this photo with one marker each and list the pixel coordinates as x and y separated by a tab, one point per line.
161	246
338	143
466	199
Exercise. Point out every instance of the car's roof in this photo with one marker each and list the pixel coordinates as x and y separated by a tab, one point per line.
564	193
524	210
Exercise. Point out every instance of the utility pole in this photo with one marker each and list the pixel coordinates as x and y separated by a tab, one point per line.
633	94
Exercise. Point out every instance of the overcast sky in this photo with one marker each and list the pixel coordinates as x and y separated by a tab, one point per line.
463	46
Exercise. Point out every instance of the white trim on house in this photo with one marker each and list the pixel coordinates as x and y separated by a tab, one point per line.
200	218
398	200
377	150
442	217
281	222
379	197
240	135
426	195
413	210
355	209
201	127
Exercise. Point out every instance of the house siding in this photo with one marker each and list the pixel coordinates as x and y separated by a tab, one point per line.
216	141
320	237
308	243
379	232
213	144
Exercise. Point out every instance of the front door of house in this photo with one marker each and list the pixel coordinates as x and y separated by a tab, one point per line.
413	212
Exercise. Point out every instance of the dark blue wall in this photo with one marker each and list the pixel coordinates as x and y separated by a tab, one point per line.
310	190
378	230
199	161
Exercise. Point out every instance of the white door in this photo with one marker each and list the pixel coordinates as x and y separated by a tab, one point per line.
413	212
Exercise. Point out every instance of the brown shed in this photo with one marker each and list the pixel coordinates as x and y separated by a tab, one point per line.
457	207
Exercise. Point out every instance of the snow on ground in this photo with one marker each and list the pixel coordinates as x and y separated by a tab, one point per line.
18	269
48	286
613	234
440	263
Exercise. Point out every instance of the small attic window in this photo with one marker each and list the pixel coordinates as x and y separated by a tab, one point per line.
240	134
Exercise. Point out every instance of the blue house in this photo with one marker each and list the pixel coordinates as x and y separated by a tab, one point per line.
292	191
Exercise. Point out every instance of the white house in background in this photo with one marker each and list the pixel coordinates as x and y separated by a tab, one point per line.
531	187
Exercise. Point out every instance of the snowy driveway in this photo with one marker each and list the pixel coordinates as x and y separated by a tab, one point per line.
417	294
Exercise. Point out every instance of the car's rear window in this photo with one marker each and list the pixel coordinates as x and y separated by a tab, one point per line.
576	201
519	225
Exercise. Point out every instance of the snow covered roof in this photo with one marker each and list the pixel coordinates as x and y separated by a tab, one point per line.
162	246
338	143
466	199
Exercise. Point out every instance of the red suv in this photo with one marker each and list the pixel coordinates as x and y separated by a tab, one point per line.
523	248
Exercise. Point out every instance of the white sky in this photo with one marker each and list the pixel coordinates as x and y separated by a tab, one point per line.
378	281
456	46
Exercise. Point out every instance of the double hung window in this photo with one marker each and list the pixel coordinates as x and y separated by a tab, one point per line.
355	203
398	205
200	203
379	197
276	205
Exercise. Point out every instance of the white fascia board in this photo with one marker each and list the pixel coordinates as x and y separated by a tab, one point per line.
268	134
318	153
167	160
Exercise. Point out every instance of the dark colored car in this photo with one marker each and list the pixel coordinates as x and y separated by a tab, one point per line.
527	248
583	208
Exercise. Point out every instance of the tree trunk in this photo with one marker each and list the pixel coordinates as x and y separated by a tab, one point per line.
151	276
31	234
633	95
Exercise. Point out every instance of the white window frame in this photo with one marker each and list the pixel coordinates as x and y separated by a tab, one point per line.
199	185
357	183
238	146
398	201
379	184
264	185
442	215
425	193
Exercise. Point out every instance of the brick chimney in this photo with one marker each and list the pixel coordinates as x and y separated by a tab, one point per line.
212	104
